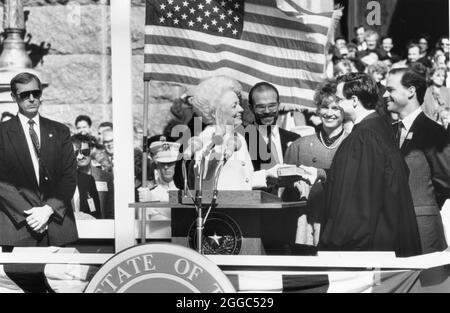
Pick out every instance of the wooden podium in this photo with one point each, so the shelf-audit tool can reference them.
(243, 222)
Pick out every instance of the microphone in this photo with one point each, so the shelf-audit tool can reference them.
(195, 144)
(232, 145)
(216, 140)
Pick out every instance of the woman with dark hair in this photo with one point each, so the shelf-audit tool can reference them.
(437, 97)
(317, 151)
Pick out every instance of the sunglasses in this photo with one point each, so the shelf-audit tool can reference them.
(26, 94)
(85, 152)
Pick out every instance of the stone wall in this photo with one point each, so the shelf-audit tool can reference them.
(70, 41)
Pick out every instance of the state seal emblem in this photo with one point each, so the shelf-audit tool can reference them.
(221, 235)
(159, 268)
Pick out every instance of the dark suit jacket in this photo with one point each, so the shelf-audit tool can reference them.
(274, 242)
(286, 137)
(19, 183)
(106, 196)
(87, 189)
(427, 154)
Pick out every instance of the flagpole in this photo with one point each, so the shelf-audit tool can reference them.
(144, 158)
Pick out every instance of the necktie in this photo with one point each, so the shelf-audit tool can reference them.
(272, 149)
(34, 138)
(398, 126)
(43, 173)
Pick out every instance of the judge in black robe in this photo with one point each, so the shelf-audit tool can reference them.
(368, 202)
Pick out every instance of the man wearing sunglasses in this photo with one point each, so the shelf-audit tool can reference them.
(86, 199)
(37, 166)
(103, 181)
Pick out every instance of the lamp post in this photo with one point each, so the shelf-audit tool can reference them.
(14, 59)
(14, 54)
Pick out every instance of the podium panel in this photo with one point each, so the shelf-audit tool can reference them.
(244, 222)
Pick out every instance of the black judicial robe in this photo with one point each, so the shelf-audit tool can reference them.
(368, 202)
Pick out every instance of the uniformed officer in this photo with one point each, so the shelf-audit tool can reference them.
(165, 155)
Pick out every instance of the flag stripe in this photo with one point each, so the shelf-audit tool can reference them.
(275, 76)
(320, 22)
(279, 42)
(191, 81)
(298, 8)
(191, 48)
(250, 41)
(252, 32)
(214, 44)
(287, 24)
(291, 91)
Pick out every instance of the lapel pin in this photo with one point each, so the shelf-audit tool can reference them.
(409, 136)
(50, 135)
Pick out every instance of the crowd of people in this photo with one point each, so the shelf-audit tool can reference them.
(372, 54)
(376, 167)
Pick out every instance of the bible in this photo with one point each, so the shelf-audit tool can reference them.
(288, 175)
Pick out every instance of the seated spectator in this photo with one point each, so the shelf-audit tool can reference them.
(6, 116)
(343, 67)
(372, 38)
(444, 45)
(437, 97)
(378, 72)
(101, 128)
(352, 50)
(424, 45)
(340, 42)
(387, 44)
(85, 200)
(108, 143)
(360, 42)
(413, 56)
(83, 124)
(104, 181)
(100, 159)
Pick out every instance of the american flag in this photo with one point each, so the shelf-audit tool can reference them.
(257, 40)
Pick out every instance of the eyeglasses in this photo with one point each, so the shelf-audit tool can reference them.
(85, 152)
(37, 94)
(271, 107)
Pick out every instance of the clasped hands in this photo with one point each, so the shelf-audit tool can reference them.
(38, 218)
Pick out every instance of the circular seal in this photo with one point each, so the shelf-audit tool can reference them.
(221, 235)
(159, 268)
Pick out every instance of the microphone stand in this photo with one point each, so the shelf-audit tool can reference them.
(198, 198)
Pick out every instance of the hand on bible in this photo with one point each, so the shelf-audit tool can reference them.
(303, 188)
(38, 217)
(309, 175)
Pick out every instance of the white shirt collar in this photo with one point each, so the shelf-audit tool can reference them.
(24, 120)
(363, 116)
(275, 131)
(409, 120)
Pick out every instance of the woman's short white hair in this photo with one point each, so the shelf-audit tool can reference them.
(205, 97)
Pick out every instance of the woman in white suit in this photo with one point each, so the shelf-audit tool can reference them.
(219, 107)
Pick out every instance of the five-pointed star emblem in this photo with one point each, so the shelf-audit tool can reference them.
(215, 238)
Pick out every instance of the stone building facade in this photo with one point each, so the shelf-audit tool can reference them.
(70, 41)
